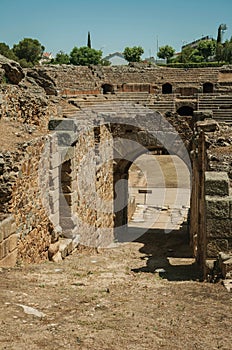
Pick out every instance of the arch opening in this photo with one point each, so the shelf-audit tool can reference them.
(185, 111)
(207, 88)
(107, 89)
(166, 88)
(157, 212)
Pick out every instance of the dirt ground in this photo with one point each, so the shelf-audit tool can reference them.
(116, 299)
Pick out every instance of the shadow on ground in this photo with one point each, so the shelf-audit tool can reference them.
(168, 255)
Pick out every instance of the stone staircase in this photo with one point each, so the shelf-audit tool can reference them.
(221, 105)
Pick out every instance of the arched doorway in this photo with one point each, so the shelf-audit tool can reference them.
(207, 88)
(108, 89)
(185, 111)
(166, 88)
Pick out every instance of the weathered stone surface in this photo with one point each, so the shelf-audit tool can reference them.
(215, 246)
(216, 183)
(226, 268)
(53, 249)
(218, 207)
(208, 125)
(219, 228)
(13, 71)
(200, 115)
(43, 80)
(10, 260)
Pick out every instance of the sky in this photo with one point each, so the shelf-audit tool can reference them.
(63, 24)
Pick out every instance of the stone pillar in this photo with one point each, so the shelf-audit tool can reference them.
(218, 213)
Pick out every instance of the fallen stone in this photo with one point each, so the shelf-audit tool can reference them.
(228, 285)
(53, 249)
(208, 125)
(31, 311)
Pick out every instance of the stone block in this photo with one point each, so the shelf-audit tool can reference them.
(226, 268)
(216, 183)
(55, 219)
(54, 196)
(10, 260)
(7, 226)
(12, 242)
(65, 247)
(215, 246)
(219, 228)
(65, 138)
(208, 125)
(54, 183)
(200, 115)
(218, 207)
(67, 153)
(55, 160)
(62, 124)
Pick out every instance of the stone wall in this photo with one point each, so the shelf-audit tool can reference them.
(122, 78)
(218, 213)
(86, 175)
(8, 242)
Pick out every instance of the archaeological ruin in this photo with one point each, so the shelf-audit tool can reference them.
(70, 134)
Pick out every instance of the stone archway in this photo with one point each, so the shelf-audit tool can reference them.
(167, 88)
(208, 88)
(185, 111)
(107, 89)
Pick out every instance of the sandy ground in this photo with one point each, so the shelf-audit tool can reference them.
(116, 299)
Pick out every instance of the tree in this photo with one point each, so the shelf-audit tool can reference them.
(227, 51)
(89, 41)
(29, 49)
(166, 52)
(207, 48)
(7, 52)
(133, 54)
(61, 58)
(85, 56)
(219, 53)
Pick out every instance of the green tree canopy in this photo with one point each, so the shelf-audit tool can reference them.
(133, 54)
(166, 52)
(28, 49)
(227, 51)
(85, 56)
(207, 48)
(7, 52)
(61, 58)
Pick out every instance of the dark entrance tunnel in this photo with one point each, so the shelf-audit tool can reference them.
(185, 111)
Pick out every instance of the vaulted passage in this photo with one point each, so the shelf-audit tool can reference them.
(167, 88)
(207, 88)
(108, 89)
(185, 111)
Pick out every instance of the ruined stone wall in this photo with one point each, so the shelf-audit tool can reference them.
(8, 242)
(26, 109)
(69, 79)
(24, 189)
(218, 213)
(94, 180)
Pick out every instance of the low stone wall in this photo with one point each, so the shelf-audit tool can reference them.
(218, 213)
(8, 242)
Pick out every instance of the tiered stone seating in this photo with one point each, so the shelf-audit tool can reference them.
(221, 105)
